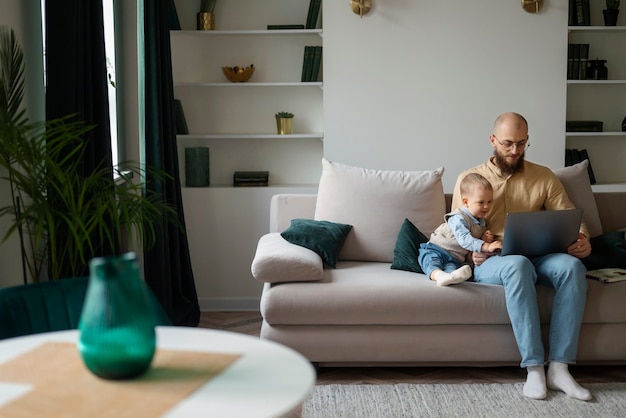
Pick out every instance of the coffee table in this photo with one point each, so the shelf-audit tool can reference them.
(267, 380)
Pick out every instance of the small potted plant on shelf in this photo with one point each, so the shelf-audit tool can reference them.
(205, 19)
(611, 12)
(284, 122)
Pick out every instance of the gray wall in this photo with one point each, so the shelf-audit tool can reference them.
(417, 85)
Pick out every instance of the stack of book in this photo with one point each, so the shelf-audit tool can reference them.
(250, 178)
(584, 126)
(577, 61)
(311, 63)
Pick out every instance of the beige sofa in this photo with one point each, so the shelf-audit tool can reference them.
(364, 312)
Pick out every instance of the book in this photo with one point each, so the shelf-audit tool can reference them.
(250, 178)
(608, 275)
(279, 27)
(585, 156)
(181, 122)
(583, 61)
(315, 66)
(307, 63)
(313, 14)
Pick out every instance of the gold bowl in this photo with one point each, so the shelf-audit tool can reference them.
(238, 74)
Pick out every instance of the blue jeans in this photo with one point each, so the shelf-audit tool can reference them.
(519, 275)
(432, 257)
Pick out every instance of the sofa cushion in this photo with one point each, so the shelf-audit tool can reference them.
(575, 179)
(277, 260)
(607, 250)
(322, 237)
(407, 248)
(376, 202)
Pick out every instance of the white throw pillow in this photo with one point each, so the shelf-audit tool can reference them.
(575, 179)
(375, 203)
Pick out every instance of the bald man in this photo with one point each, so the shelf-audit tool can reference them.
(521, 186)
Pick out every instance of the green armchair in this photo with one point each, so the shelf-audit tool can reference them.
(49, 306)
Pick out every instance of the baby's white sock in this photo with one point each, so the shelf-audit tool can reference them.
(559, 378)
(457, 276)
(535, 386)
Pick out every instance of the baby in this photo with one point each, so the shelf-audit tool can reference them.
(444, 258)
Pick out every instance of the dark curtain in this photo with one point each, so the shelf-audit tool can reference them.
(76, 80)
(168, 264)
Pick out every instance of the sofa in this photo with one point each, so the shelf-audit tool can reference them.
(342, 285)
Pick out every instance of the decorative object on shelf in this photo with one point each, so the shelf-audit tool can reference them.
(579, 13)
(361, 7)
(284, 123)
(584, 126)
(205, 19)
(611, 12)
(197, 173)
(117, 337)
(238, 74)
(532, 6)
(597, 70)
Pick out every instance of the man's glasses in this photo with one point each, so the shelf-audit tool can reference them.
(507, 145)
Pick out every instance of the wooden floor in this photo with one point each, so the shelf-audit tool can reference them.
(250, 323)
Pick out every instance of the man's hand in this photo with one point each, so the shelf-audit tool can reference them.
(479, 258)
(581, 248)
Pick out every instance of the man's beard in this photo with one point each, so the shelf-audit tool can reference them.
(505, 167)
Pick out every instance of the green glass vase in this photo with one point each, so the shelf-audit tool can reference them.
(117, 337)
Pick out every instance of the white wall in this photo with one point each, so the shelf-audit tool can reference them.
(417, 84)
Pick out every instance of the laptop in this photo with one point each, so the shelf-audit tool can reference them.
(533, 234)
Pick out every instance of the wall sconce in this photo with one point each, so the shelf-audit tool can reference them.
(532, 6)
(361, 7)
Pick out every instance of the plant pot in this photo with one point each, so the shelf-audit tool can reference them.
(284, 125)
(205, 21)
(610, 16)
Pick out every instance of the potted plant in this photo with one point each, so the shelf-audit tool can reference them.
(284, 123)
(205, 18)
(62, 217)
(611, 12)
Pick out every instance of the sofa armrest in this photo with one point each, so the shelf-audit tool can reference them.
(285, 207)
(277, 260)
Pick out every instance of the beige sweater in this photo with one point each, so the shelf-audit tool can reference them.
(534, 188)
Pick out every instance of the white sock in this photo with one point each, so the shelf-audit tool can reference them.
(535, 386)
(457, 276)
(559, 378)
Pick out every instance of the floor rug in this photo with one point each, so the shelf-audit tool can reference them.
(460, 400)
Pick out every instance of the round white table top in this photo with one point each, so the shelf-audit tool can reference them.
(268, 380)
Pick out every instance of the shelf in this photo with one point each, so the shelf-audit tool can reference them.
(246, 84)
(278, 32)
(596, 81)
(275, 188)
(617, 133)
(597, 29)
(315, 135)
(609, 187)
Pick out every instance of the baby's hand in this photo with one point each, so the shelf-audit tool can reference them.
(488, 236)
(496, 245)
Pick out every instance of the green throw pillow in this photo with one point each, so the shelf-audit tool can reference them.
(323, 237)
(607, 250)
(407, 248)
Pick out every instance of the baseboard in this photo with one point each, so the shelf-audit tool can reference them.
(229, 304)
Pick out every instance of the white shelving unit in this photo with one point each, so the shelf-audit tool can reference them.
(603, 100)
(236, 122)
